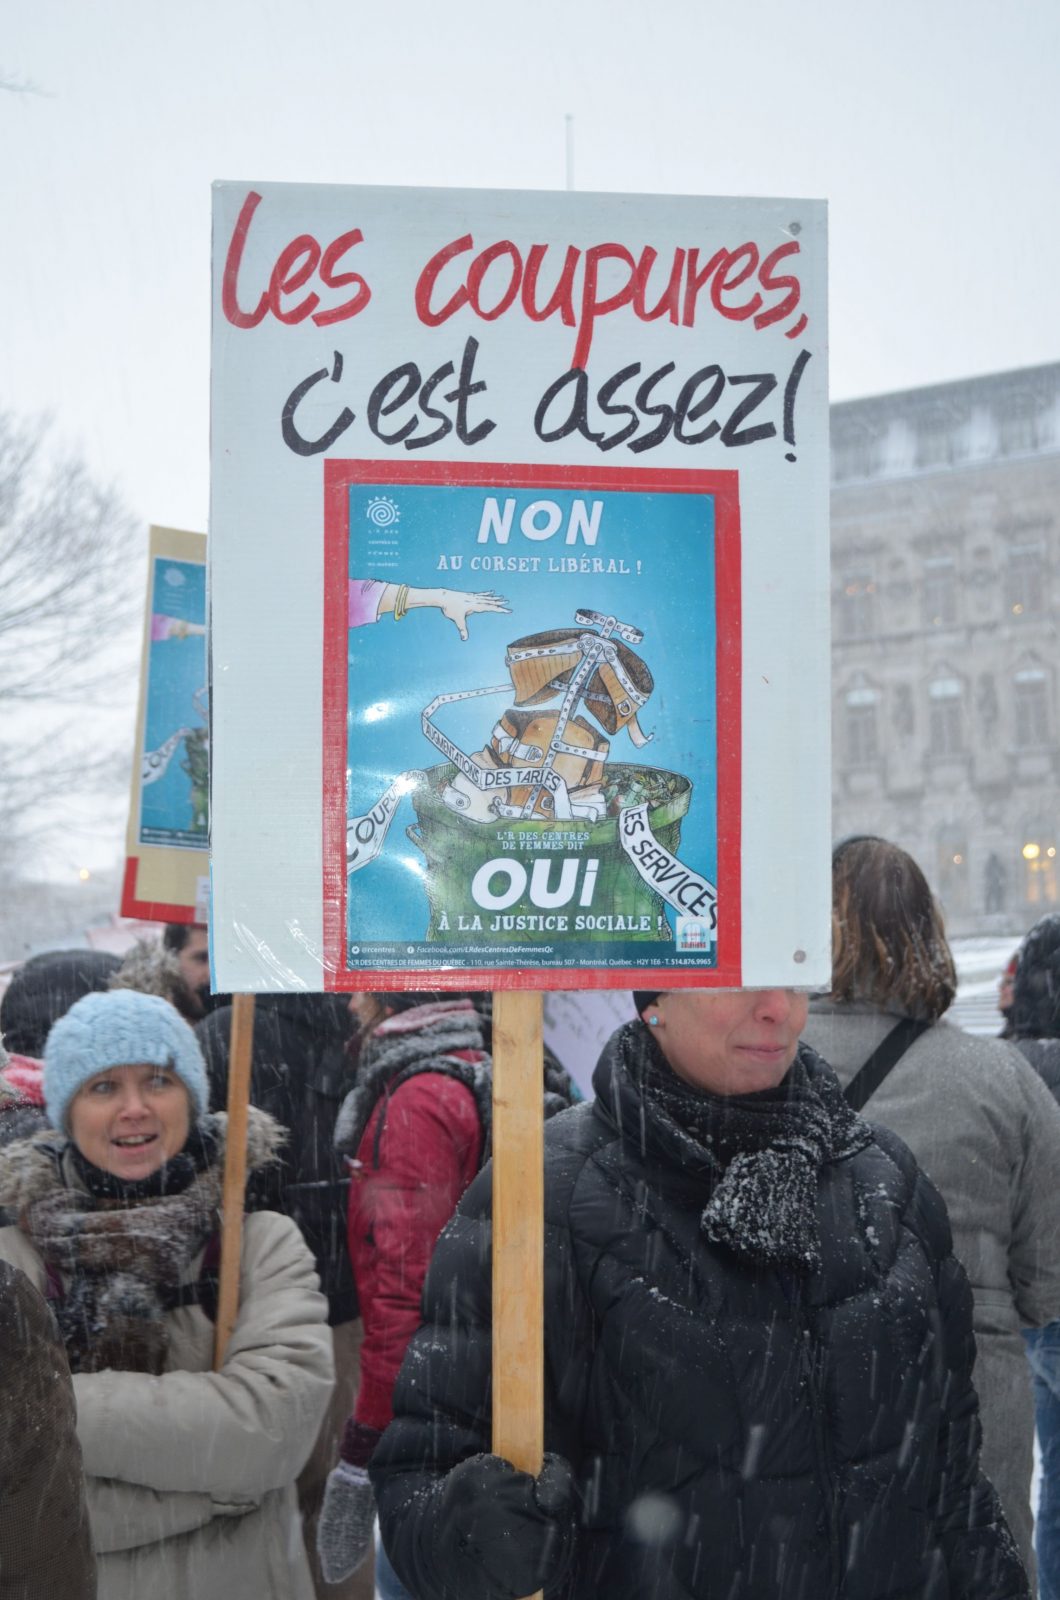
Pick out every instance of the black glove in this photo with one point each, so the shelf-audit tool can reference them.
(502, 1533)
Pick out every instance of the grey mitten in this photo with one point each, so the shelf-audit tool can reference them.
(344, 1532)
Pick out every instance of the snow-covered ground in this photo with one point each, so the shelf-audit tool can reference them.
(980, 963)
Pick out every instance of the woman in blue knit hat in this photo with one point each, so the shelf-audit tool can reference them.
(190, 1473)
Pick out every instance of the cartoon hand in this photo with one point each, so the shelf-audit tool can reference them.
(458, 606)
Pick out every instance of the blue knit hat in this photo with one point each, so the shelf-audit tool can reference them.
(122, 1028)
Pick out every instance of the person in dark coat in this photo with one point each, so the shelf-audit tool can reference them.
(300, 1074)
(43, 990)
(1035, 1022)
(1036, 1000)
(45, 1544)
(758, 1350)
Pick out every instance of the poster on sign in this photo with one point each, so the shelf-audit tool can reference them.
(519, 590)
(166, 870)
(553, 749)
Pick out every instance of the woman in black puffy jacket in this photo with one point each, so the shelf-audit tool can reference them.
(758, 1350)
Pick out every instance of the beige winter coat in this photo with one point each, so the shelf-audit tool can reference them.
(986, 1130)
(190, 1475)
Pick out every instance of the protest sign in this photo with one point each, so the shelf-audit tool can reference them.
(166, 865)
(519, 590)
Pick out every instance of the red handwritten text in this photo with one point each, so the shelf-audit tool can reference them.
(611, 277)
(579, 286)
(295, 265)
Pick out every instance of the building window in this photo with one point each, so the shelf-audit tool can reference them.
(1025, 579)
(1032, 708)
(904, 715)
(857, 606)
(1020, 430)
(856, 456)
(940, 591)
(862, 741)
(1039, 868)
(946, 719)
(935, 443)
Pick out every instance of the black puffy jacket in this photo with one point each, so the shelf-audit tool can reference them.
(300, 1074)
(1044, 1057)
(738, 1432)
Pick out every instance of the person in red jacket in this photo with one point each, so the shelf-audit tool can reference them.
(415, 1130)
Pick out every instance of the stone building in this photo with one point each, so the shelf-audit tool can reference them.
(945, 584)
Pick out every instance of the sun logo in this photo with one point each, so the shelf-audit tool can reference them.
(382, 512)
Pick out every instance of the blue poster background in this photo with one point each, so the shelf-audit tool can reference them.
(176, 672)
(657, 552)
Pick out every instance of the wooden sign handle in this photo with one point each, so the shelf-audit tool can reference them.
(518, 1231)
(235, 1173)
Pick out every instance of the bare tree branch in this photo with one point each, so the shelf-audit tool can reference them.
(71, 589)
(69, 578)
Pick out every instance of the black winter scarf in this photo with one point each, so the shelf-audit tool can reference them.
(765, 1148)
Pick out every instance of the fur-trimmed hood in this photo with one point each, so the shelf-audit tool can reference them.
(152, 969)
(35, 1167)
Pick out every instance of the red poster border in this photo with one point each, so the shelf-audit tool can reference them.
(148, 910)
(724, 487)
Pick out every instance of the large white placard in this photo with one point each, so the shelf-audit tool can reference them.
(519, 590)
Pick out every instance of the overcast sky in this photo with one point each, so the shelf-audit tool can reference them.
(929, 126)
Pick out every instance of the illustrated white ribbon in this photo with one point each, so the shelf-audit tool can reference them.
(503, 779)
(155, 762)
(687, 891)
(366, 836)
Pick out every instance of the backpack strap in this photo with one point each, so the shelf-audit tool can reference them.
(887, 1054)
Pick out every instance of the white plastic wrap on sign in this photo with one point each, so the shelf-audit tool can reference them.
(518, 590)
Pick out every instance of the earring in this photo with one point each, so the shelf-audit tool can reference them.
(654, 1021)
